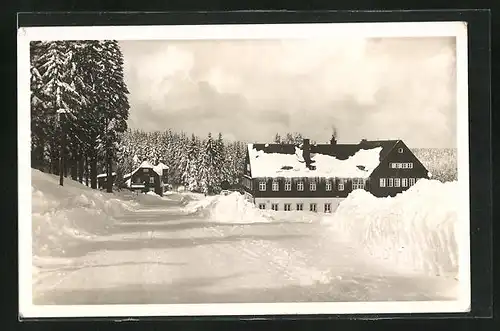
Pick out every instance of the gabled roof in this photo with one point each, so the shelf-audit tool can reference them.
(159, 168)
(146, 165)
(331, 160)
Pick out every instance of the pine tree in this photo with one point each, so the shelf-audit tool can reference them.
(208, 169)
(190, 175)
(55, 85)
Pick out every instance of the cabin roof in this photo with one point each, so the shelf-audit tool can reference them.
(147, 165)
(159, 168)
(331, 160)
(106, 175)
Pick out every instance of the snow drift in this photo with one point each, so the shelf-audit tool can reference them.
(415, 230)
(61, 214)
(234, 208)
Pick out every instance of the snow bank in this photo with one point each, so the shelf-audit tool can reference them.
(196, 204)
(234, 208)
(416, 230)
(62, 213)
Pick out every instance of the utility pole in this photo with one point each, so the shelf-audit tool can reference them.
(62, 121)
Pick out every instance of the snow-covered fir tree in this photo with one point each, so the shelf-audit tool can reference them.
(85, 78)
(190, 177)
(208, 171)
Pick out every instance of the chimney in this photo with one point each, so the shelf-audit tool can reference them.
(333, 141)
(306, 153)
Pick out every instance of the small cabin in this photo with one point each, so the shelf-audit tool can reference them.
(102, 179)
(147, 178)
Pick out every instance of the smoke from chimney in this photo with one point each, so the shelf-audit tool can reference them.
(333, 139)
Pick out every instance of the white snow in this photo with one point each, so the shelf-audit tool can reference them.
(159, 168)
(104, 175)
(146, 164)
(234, 208)
(86, 244)
(73, 211)
(415, 230)
(271, 164)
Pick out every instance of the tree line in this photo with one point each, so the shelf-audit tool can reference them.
(201, 164)
(78, 99)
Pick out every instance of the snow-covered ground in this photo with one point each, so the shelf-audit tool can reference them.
(97, 248)
(415, 230)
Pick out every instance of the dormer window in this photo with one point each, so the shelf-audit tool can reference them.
(312, 186)
(400, 150)
(275, 186)
(262, 186)
(300, 186)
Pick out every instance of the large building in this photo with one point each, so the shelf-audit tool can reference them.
(316, 177)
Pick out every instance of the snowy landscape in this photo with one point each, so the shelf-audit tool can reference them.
(92, 248)
(148, 159)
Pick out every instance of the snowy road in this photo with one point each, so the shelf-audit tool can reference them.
(156, 255)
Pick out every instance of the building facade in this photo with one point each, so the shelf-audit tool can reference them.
(147, 178)
(286, 177)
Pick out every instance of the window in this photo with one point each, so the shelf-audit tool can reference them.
(328, 207)
(399, 165)
(400, 150)
(358, 183)
(151, 180)
(248, 166)
(276, 186)
(410, 165)
(393, 165)
(391, 182)
(300, 186)
(312, 207)
(300, 206)
(288, 185)
(340, 185)
(262, 206)
(405, 165)
(328, 186)
(404, 182)
(397, 182)
(288, 206)
(274, 206)
(382, 182)
(262, 186)
(145, 170)
(312, 186)
(412, 181)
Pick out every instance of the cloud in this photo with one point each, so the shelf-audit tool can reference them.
(248, 89)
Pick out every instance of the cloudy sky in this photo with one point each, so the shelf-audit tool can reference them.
(251, 89)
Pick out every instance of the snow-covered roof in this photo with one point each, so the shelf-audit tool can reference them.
(145, 164)
(341, 161)
(105, 175)
(159, 168)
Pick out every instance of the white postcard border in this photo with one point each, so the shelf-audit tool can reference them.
(261, 31)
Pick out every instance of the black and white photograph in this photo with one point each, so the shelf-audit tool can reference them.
(243, 169)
